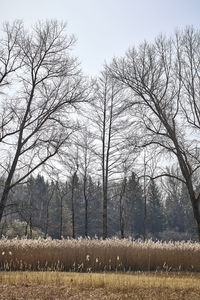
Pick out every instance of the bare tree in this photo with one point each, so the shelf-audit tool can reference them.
(47, 86)
(10, 62)
(110, 123)
(85, 142)
(164, 78)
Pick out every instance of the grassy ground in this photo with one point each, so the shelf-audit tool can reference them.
(61, 285)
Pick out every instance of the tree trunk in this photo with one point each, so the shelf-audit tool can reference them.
(105, 200)
(106, 156)
(26, 230)
(196, 212)
(61, 217)
(31, 227)
(47, 222)
(2, 228)
(122, 225)
(86, 217)
(122, 208)
(3, 202)
(47, 214)
(145, 218)
(72, 207)
(145, 200)
(7, 186)
(86, 206)
(73, 216)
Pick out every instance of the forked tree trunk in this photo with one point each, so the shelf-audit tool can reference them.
(105, 161)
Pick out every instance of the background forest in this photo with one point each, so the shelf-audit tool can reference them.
(44, 209)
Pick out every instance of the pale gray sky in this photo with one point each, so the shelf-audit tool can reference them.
(105, 28)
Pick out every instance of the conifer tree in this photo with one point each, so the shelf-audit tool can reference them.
(155, 210)
(134, 207)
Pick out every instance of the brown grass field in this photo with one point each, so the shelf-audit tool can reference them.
(96, 269)
(65, 285)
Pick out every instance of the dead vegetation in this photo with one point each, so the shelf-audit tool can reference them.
(85, 255)
(140, 285)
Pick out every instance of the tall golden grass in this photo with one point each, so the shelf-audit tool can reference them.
(85, 255)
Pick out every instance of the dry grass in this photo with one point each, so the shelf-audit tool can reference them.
(57, 285)
(97, 255)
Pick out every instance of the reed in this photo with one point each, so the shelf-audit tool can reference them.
(93, 255)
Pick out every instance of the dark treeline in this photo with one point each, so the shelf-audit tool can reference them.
(41, 208)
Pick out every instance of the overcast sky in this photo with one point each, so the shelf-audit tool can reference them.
(105, 28)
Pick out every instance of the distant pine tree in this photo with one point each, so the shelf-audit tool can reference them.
(155, 210)
(134, 207)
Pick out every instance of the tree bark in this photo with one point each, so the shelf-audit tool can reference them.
(122, 209)
(86, 204)
(61, 217)
(72, 206)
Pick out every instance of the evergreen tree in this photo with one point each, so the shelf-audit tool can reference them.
(155, 210)
(79, 207)
(186, 213)
(134, 207)
(179, 212)
(173, 206)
